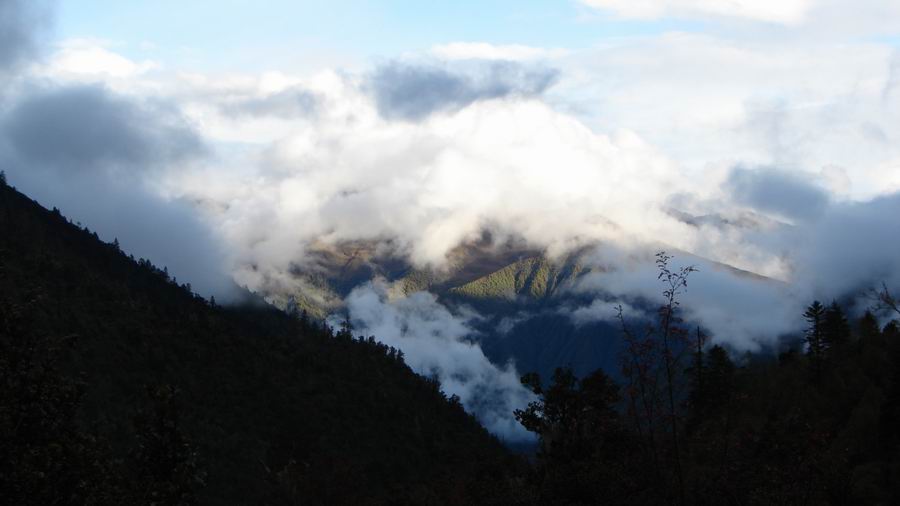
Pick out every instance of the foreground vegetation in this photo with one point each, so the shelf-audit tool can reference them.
(120, 386)
(818, 424)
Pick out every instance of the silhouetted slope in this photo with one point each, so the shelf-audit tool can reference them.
(281, 411)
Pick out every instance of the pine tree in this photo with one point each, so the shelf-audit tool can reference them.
(816, 346)
(835, 328)
(346, 331)
(720, 378)
(585, 451)
(868, 327)
(891, 331)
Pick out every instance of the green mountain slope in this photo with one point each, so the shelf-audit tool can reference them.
(535, 277)
(279, 411)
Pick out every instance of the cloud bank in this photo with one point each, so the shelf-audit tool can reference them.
(434, 342)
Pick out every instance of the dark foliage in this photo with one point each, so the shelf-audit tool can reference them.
(759, 432)
(587, 455)
(122, 387)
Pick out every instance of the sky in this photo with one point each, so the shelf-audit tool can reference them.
(297, 35)
(225, 139)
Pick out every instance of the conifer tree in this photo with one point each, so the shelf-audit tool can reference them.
(891, 331)
(720, 377)
(868, 327)
(835, 328)
(816, 346)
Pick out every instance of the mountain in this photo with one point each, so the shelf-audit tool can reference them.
(122, 386)
(523, 296)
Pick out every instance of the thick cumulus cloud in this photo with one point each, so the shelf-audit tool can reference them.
(434, 342)
(514, 164)
(415, 91)
(511, 165)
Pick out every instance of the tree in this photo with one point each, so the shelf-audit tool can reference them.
(835, 328)
(885, 302)
(585, 450)
(649, 366)
(346, 330)
(46, 458)
(816, 346)
(2, 178)
(675, 283)
(891, 331)
(697, 380)
(720, 378)
(868, 327)
(164, 462)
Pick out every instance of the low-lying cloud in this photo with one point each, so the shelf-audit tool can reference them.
(434, 342)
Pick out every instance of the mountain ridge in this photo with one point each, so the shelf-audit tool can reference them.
(333, 406)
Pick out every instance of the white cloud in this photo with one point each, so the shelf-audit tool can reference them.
(486, 51)
(775, 11)
(434, 343)
(603, 310)
(90, 59)
(708, 101)
(433, 154)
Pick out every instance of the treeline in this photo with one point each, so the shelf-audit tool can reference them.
(818, 424)
(118, 385)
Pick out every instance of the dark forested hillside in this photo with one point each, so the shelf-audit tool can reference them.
(121, 386)
(689, 424)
